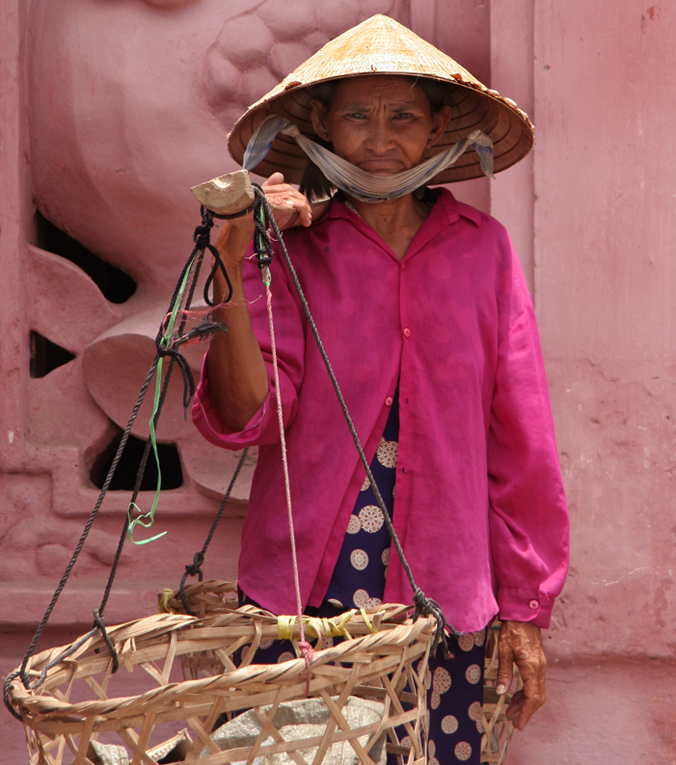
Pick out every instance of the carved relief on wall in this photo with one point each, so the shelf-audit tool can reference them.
(128, 106)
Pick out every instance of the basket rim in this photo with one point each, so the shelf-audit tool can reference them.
(157, 630)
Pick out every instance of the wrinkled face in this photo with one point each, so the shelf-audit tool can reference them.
(383, 124)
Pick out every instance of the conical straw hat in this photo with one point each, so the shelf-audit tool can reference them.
(381, 45)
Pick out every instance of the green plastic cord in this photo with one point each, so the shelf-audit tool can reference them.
(147, 519)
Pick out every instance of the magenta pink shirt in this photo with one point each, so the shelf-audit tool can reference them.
(479, 501)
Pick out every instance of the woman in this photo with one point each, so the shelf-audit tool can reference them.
(427, 321)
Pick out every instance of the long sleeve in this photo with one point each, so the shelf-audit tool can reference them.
(528, 517)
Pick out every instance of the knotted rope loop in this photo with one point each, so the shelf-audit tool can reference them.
(202, 238)
(425, 606)
(22, 672)
(202, 234)
(307, 652)
(192, 569)
(189, 386)
(195, 568)
(5, 694)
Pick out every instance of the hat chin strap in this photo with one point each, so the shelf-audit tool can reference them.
(355, 181)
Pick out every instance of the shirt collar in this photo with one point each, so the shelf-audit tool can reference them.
(446, 211)
(446, 204)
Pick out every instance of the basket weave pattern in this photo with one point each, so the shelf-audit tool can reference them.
(73, 707)
(212, 596)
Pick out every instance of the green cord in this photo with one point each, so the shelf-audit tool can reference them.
(147, 519)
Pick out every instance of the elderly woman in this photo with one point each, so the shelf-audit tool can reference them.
(427, 321)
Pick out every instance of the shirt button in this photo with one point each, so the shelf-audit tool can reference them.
(407, 332)
(534, 605)
(388, 401)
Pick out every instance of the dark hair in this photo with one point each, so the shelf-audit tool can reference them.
(314, 184)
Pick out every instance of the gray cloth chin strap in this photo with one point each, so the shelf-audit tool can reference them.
(356, 182)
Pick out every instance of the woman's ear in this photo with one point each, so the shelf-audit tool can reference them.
(318, 116)
(439, 122)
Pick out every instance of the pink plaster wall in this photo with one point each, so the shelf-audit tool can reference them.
(109, 112)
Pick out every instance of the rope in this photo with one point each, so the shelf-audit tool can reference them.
(192, 267)
(195, 568)
(307, 652)
(263, 251)
(202, 237)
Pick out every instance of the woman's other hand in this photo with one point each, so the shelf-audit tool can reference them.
(520, 643)
(289, 207)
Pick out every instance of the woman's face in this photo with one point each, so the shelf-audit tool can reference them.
(381, 123)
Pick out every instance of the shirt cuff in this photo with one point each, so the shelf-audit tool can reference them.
(525, 606)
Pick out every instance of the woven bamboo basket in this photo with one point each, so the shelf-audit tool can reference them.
(81, 712)
(213, 596)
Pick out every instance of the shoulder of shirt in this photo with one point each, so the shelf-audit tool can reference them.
(477, 217)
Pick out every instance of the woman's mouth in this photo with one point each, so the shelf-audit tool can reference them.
(389, 166)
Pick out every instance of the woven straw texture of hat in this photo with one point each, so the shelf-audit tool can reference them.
(381, 45)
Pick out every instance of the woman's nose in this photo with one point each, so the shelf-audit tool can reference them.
(380, 136)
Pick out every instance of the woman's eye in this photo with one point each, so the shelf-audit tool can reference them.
(403, 116)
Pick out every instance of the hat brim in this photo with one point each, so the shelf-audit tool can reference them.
(391, 49)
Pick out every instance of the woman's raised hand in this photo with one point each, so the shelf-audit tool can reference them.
(288, 205)
(235, 366)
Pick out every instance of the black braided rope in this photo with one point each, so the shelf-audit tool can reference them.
(98, 621)
(90, 521)
(30, 686)
(195, 568)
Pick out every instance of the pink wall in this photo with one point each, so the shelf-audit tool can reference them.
(110, 112)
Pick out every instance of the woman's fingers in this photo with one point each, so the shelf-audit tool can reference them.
(505, 666)
(288, 205)
(276, 179)
(520, 643)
